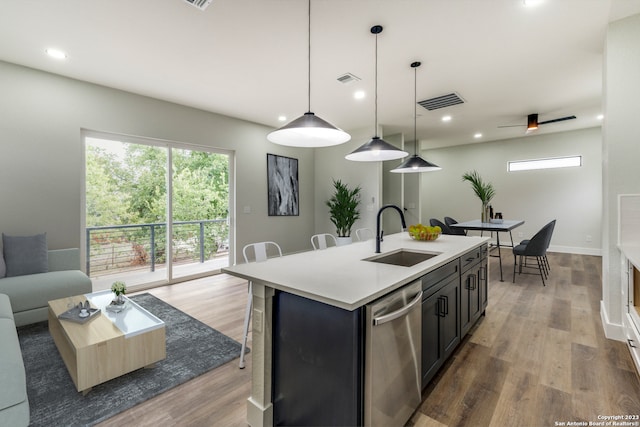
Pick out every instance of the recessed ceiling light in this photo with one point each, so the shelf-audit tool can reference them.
(600, 116)
(359, 94)
(477, 135)
(531, 3)
(56, 53)
(282, 118)
(446, 118)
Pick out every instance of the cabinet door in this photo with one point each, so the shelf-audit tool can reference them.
(431, 349)
(317, 357)
(450, 323)
(484, 284)
(467, 290)
(440, 328)
(474, 295)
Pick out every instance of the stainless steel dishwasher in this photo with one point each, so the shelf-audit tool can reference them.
(393, 357)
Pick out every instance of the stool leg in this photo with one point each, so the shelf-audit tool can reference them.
(247, 317)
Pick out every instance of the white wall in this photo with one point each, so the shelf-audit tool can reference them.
(41, 117)
(621, 149)
(573, 196)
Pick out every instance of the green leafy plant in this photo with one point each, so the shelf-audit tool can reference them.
(484, 190)
(343, 208)
(119, 288)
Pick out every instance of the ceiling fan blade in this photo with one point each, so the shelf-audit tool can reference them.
(561, 119)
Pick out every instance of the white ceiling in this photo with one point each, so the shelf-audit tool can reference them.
(248, 58)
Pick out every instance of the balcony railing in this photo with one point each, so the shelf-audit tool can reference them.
(118, 248)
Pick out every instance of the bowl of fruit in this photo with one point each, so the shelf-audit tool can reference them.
(424, 232)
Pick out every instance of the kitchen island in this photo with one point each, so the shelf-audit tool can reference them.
(326, 292)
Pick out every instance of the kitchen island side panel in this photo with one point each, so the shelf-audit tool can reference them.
(317, 364)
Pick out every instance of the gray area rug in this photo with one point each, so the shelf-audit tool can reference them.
(193, 348)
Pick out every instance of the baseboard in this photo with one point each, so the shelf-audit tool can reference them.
(613, 331)
(576, 250)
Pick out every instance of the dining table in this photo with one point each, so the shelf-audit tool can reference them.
(494, 226)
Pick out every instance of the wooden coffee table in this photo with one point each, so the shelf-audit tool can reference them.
(109, 345)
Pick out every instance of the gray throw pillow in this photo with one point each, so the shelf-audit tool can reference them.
(25, 254)
(3, 267)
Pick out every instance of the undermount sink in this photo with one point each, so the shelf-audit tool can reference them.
(403, 257)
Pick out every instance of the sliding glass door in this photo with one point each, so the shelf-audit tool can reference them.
(156, 212)
(200, 212)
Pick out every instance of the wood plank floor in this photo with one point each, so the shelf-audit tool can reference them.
(538, 357)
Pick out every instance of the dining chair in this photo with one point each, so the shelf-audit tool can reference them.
(545, 258)
(364, 234)
(457, 231)
(254, 252)
(323, 240)
(536, 247)
(444, 227)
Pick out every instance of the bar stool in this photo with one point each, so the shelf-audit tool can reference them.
(260, 250)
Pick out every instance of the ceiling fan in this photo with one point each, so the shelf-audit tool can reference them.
(533, 123)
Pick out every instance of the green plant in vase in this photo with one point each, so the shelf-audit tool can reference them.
(484, 191)
(343, 208)
(119, 288)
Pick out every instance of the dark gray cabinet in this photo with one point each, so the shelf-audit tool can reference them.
(318, 349)
(440, 326)
(318, 360)
(455, 296)
(440, 317)
(473, 287)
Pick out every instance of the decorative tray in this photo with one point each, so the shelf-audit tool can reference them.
(74, 314)
(117, 308)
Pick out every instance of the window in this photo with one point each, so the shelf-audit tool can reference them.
(156, 211)
(555, 162)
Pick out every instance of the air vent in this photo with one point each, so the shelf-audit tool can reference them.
(348, 78)
(442, 101)
(200, 4)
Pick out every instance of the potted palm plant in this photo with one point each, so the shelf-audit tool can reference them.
(484, 191)
(343, 210)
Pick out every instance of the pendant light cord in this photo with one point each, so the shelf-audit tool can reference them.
(415, 110)
(375, 130)
(309, 58)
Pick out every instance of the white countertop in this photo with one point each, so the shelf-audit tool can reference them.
(338, 275)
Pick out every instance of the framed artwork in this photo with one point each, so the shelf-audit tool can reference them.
(282, 183)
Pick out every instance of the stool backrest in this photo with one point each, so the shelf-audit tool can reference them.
(321, 241)
(260, 251)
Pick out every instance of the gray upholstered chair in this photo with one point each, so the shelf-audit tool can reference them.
(535, 247)
(457, 231)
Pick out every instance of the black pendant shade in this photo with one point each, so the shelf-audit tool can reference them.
(308, 130)
(377, 149)
(415, 163)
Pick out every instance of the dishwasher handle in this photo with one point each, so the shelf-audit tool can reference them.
(398, 313)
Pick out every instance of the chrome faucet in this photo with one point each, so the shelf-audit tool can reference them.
(380, 232)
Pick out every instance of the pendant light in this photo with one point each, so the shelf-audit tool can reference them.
(415, 163)
(377, 149)
(309, 130)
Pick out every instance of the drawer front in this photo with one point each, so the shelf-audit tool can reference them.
(439, 275)
(472, 257)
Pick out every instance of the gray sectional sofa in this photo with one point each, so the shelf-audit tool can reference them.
(30, 293)
(14, 403)
(30, 276)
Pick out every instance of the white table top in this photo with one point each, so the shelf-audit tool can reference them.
(132, 321)
(476, 224)
(341, 277)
